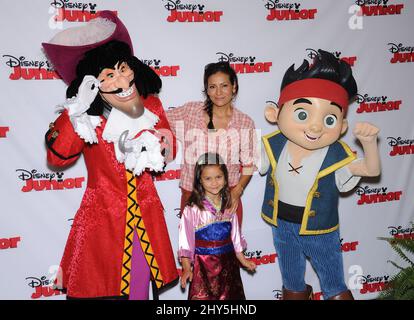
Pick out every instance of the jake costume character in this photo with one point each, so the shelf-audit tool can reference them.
(119, 239)
(307, 166)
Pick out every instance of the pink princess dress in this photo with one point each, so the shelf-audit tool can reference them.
(210, 240)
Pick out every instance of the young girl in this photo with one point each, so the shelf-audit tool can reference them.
(210, 237)
(213, 119)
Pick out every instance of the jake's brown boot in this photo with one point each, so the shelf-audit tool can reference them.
(346, 295)
(297, 295)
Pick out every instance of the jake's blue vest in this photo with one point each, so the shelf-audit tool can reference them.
(321, 210)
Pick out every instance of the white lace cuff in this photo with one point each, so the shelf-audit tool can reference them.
(85, 125)
(137, 160)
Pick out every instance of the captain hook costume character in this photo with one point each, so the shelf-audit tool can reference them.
(308, 168)
(119, 240)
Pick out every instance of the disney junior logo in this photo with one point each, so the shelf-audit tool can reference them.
(26, 69)
(401, 233)
(400, 146)
(371, 284)
(184, 12)
(160, 69)
(379, 7)
(370, 104)
(38, 181)
(244, 64)
(401, 53)
(288, 11)
(65, 10)
(374, 195)
(312, 54)
(43, 286)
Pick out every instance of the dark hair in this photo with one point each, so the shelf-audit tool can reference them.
(106, 56)
(209, 70)
(325, 66)
(198, 193)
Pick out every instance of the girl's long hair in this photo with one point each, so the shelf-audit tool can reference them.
(198, 193)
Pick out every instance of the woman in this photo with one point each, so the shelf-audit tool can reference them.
(215, 125)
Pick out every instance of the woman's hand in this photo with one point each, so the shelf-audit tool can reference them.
(187, 275)
(248, 264)
(236, 193)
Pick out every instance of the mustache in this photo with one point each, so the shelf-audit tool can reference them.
(119, 90)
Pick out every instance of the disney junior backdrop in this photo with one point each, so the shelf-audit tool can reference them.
(261, 38)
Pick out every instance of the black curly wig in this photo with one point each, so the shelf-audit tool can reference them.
(325, 66)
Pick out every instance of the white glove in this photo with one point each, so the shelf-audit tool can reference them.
(83, 124)
(137, 160)
(86, 94)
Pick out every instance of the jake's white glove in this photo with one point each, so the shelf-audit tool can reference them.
(86, 94)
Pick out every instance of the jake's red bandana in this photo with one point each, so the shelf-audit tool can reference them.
(315, 88)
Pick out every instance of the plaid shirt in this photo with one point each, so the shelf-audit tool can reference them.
(236, 145)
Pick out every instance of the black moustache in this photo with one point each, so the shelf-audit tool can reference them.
(117, 90)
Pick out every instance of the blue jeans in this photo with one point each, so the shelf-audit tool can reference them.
(323, 251)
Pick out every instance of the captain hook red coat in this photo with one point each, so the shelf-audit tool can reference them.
(97, 257)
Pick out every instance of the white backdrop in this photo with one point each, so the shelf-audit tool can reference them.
(34, 224)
